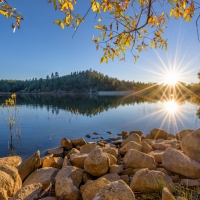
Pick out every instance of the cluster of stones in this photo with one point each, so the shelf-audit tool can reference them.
(98, 171)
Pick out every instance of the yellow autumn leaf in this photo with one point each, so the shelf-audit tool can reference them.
(64, 7)
(3, 12)
(187, 18)
(71, 7)
(121, 59)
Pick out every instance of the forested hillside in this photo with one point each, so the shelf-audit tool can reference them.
(82, 81)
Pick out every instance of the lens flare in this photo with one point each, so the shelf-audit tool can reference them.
(171, 78)
(171, 106)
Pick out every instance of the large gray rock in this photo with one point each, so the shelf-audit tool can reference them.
(11, 160)
(45, 176)
(183, 133)
(29, 165)
(78, 159)
(65, 190)
(130, 145)
(132, 137)
(190, 145)
(97, 163)
(10, 181)
(177, 162)
(28, 192)
(117, 190)
(73, 173)
(137, 159)
(149, 180)
(91, 188)
(158, 133)
(66, 143)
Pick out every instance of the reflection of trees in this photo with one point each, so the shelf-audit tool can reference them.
(82, 104)
(196, 100)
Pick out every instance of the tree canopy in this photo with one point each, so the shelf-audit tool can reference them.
(122, 24)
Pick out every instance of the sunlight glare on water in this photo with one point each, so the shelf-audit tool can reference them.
(171, 106)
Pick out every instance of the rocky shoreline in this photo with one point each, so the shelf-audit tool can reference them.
(156, 166)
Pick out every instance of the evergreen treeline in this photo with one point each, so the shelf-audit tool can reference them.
(82, 81)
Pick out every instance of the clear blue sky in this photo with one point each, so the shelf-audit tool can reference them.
(41, 47)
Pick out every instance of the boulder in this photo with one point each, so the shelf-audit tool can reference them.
(78, 159)
(128, 171)
(111, 177)
(91, 188)
(112, 159)
(10, 181)
(45, 176)
(176, 161)
(111, 150)
(124, 135)
(132, 137)
(190, 183)
(73, 173)
(183, 133)
(190, 145)
(65, 143)
(66, 162)
(11, 160)
(65, 190)
(29, 165)
(158, 133)
(72, 151)
(49, 198)
(117, 190)
(45, 157)
(167, 195)
(55, 162)
(87, 148)
(137, 159)
(157, 154)
(130, 145)
(146, 148)
(57, 152)
(97, 163)
(28, 192)
(149, 180)
(116, 169)
(125, 178)
(140, 133)
(78, 142)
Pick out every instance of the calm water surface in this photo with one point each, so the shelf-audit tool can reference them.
(43, 120)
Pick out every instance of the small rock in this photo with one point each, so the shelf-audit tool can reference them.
(111, 177)
(117, 190)
(97, 163)
(57, 152)
(137, 159)
(65, 143)
(146, 148)
(87, 148)
(88, 136)
(78, 142)
(90, 189)
(55, 162)
(167, 195)
(109, 132)
(31, 191)
(29, 165)
(190, 183)
(45, 176)
(78, 159)
(66, 162)
(149, 180)
(130, 145)
(140, 133)
(111, 150)
(132, 137)
(116, 169)
(65, 190)
(72, 151)
(73, 173)
(158, 133)
(11, 160)
(112, 159)
(157, 154)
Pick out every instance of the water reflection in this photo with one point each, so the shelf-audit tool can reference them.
(171, 106)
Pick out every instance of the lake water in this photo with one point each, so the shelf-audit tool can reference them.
(43, 120)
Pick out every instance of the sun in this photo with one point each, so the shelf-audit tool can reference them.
(171, 106)
(171, 78)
